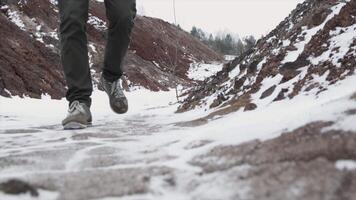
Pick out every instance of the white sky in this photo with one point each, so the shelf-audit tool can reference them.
(244, 17)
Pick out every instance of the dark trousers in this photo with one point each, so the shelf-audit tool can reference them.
(74, 49)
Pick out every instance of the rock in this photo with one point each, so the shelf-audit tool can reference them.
(16, 187)
(250, 106)
(268, 92)
(281, 94)
(298, 160)
(275, 51)
(215, 103)
(353, 97)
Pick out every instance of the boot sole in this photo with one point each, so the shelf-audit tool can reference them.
(118, 110)
(75, 126)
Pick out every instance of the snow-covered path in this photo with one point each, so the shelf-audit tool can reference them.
(34, 146)
(145, 154)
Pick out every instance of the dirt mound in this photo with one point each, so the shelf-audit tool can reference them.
(27, 67)
(313, 48)
(292, 166)
(29, 56)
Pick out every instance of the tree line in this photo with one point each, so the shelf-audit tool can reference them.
(224, 43)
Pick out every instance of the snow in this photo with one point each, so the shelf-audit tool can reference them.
(96, 22)
(37, 114)
(271, 118)
(149, 109)
(340, 42)
(233, 73)
(266, 84)
(286, 43)
(92, 49)
(271, 39)
(260, 65)
(347, 124)
(15, 18)
(38, 34)
(54, 2)
(229, 57)
(201, 71)
(4, 7)
(346, 164)
(157, 109)
(54, 34)
(309, 33)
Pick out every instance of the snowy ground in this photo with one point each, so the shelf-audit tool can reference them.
(145, 154)
(201, 71)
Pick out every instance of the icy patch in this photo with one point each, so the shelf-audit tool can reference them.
(201, 71)
(308, 35)
(340, 42)
(346, 164)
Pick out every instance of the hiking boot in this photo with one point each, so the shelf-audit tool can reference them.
(78, 116)
(118, 101)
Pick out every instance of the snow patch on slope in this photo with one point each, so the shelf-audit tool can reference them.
(96, 22)
(15, 17)
(309, 33)
(340, 41)
(346, 164)
(201, 71)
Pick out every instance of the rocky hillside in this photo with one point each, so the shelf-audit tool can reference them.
(313, 48)
(29, 57)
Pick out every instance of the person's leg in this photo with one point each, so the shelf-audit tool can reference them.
(74, 50)
(121, 14)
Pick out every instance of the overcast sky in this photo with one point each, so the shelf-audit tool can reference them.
(244, 17)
